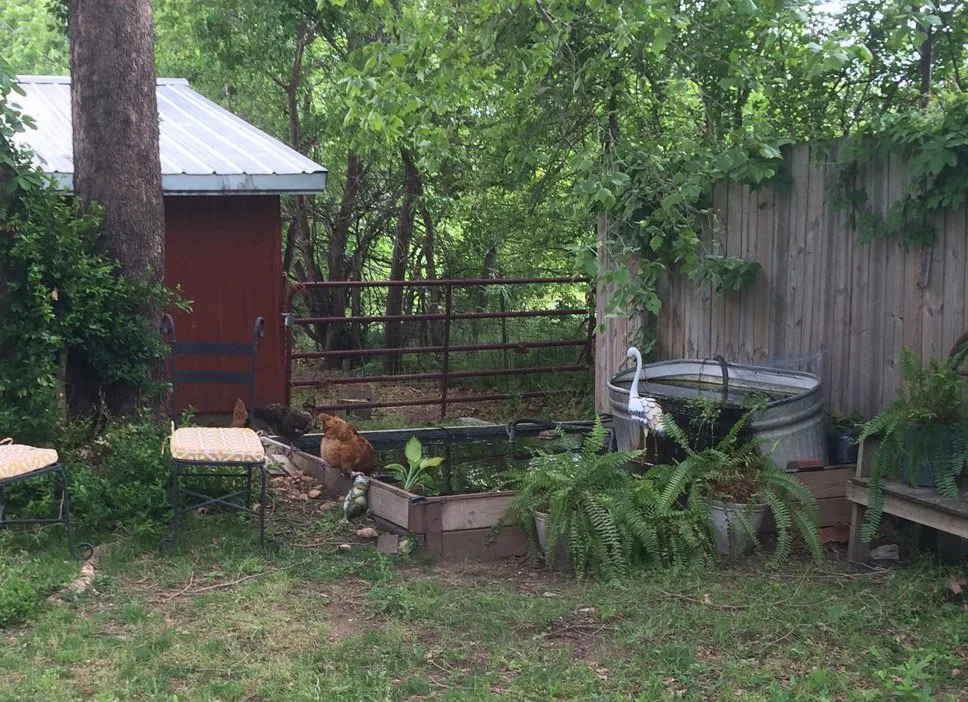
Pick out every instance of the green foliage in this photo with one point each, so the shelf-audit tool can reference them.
(605, 519)
(934, 146)
(725, 273)
(736, 470)
(119, 476)
(416, 476)
(59, 293)
(926, 424)
(845, 423)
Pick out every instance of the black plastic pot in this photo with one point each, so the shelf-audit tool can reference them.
(842, 449)
(941, 436)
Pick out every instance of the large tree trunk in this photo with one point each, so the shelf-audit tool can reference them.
(394, 334)
(116, 152)
(339, 336)
(434, 292)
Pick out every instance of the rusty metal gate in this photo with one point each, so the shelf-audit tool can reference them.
(453, 341)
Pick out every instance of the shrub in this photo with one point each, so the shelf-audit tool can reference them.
(118, 477)
(59, 292)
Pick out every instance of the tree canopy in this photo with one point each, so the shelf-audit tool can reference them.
(464, 138)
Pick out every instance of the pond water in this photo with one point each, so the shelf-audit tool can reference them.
(692, 388)
(476, 459)
(482, 464)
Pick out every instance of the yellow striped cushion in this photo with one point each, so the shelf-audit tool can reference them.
(217, 445)
(17, 459)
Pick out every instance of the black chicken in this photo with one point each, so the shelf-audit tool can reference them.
(285, 422)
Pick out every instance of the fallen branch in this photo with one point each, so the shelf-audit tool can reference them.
(222, 586)
(705, 602)
(82, 582)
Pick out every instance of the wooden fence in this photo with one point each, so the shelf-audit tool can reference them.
(842, 308)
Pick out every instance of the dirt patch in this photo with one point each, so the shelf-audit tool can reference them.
(583, 631)
(346, 611)
(497, 411)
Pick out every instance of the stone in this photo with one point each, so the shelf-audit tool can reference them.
(387, 543)
(472, 422)
(889, 552)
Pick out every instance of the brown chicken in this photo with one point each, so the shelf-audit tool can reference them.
(343, 448)
(240, 416)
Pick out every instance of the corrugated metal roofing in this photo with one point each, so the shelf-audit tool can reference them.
(205, 149)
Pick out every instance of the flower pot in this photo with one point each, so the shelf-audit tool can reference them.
(842, 449)
(940, 439)
(562, 557)
(723, 514)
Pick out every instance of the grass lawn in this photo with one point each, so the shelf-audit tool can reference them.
(221, 621)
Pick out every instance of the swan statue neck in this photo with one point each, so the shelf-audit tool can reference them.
(634, 390)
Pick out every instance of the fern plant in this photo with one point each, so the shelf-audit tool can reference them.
(580, 492)
(607, 520)
(926, 425)
(737, 470)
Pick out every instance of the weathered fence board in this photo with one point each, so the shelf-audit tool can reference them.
(818, 292)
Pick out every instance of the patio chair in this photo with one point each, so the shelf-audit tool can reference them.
(19, 463)
(205, 454)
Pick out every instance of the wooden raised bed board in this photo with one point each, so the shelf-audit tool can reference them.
(450, 526)
(471, 526)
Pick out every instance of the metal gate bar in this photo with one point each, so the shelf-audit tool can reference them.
(585, 360)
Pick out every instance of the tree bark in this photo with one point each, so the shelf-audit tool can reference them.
(394, 332)
(434, 292)
(116, 151)
(339, 336)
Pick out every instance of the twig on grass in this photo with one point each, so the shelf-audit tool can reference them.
(222, 586)
(704, 602)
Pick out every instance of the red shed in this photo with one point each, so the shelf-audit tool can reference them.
(222, 180)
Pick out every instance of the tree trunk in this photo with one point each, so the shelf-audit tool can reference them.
(339, 336)
(434, 292)
(394, 332)
(488, 272)
(927, 57)
(116, 152)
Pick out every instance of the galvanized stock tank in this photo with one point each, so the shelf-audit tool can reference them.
(792, 423)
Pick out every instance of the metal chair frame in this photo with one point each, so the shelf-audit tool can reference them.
(64, 512)
(181, 469)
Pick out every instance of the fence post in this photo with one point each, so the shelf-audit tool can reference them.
(287, 320)
(448, 311)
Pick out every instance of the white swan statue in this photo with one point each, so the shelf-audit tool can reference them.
(643, 410)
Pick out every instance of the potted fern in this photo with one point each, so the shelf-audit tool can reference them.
(842, 443)
(576, 502)
(924, 433)
(594, 517)
(736, 484)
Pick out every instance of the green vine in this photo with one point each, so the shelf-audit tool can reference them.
(661, 206)
(934, 144)
(59, 292)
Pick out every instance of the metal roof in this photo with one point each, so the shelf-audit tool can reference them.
(205, 149)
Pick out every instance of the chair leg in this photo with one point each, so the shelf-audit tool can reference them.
(262, 507)
(248, 488)
(65, 515)
(172, 541)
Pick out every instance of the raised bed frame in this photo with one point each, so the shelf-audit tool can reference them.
(476, 526)
(473, 526)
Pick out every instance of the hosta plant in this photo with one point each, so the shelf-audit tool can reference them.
(415, 476)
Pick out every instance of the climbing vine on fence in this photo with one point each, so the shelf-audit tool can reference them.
(934, 144)
(661, 206)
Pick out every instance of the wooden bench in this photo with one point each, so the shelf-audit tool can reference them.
(921, 505)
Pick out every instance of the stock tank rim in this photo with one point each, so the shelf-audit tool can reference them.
(815, 387)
